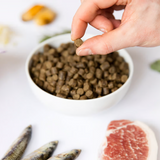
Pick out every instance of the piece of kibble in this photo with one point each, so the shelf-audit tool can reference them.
(89, 94)
(54, 70)
(110, 85)
(78, 42)
(80, 91)
(90, 76)
(73, 83)
(98, 90)
(114, 89)
(124, 78)
(55, 77)
(76, 96)
(86, 87)
(83, 97)
(99, 73)
(65, 89)
(60, 65)
(105, 91)
(62, 75)
(48, 64)
(105, 66)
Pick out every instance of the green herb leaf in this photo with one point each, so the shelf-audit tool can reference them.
(56, 34)
(156, 65)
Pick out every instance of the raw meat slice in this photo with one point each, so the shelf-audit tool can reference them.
(127, 140)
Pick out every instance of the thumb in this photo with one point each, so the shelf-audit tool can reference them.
(106, 43)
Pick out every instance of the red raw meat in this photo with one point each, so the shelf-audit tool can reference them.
(127, 140)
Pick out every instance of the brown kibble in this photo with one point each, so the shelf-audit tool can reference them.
(78, 42)
(114, 89)
(73, 92)
(48, 73)
(49, 79)
(119, 85)
(66, 68)
(105, 91)
(81, 65)
(54, 70)
(110, 85)
(91, 64)
(60, 49)
(74, 70)
(48, 64)
(104, 66)
(51, 89)
(76, 96)
(39, 82)
(84, 60)
(83, 97)
(36, 74)
(92, 69)
(124, 78)
(90, 76)
(93, 81)
(104, 83)
(53, 83)
(80, 91)
(81, 71)
(38, 66)
(60, 95)
(76, 76)
(86, 87)
(55, 77)
(80, 83)
(106, 74)
(62, 75)
(89, 94)
(98, 90)
(42, 77)
(112, 70)
(60, 65)
(45, 85)
(76, 58)
(99, 73)
(65, 89)
(73, 83)
(120, 59)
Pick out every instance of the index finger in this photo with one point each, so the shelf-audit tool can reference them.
(86, 13)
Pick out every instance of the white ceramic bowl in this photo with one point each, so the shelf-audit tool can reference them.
(77, 107)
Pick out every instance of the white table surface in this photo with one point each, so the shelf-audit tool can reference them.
(19, 107)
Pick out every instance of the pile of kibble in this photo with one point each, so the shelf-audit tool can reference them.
(60, 72)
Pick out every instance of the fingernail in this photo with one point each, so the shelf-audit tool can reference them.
(84, 52)
(103, 30)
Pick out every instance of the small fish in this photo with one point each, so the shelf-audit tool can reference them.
(73, 154)
(18, 147)
(42, 153)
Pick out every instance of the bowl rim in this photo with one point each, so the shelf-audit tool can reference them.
(131, 65)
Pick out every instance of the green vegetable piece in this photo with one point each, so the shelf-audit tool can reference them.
(56, 34)
(156, 65)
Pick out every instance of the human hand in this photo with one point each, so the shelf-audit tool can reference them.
(139, 26)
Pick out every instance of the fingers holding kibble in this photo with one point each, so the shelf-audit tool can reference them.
(62, 73)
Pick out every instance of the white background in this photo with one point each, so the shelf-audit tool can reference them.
(19, 106)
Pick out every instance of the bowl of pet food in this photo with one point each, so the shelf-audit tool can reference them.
(74, 85)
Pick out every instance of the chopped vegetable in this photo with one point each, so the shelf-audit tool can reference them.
(31, 13)
(156, 65)
(4, 34)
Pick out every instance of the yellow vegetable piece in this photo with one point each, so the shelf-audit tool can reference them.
(31, 13)
(45, 16)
